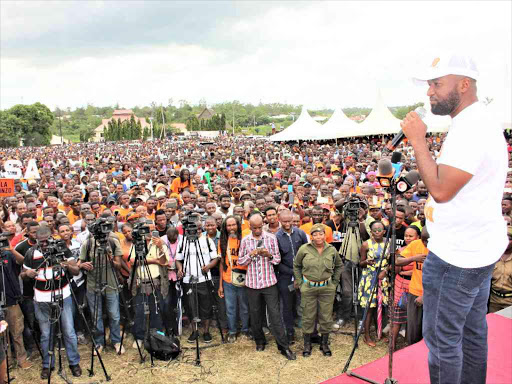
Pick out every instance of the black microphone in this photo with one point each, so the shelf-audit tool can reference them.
(400, 135)
(385, 172)
(407, 182)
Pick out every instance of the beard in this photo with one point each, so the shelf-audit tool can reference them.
(448, 105)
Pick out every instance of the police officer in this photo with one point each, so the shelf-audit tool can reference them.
(317, 270)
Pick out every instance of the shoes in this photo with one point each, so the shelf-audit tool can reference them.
(231, 338)
(45, 373)
(141, 344)
(76, 370)
(402, 332)
(24, 365)
(119, 349)
(246, 335)
(193, 336)
(324, 346)
(341, 323)
(266, 331)
(288, 354)
(335, 326)
(307, 345)
(291, 338)
(99, 348)
(386, 329)
(260, 347)
(207, 337)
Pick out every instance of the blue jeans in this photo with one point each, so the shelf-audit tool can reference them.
(112, 301)
(454, 323)
(155, 315)
(236, 297)
(42, 311)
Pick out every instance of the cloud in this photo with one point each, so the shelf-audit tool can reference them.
(322, 54)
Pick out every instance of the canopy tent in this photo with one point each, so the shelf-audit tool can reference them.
(339, 125)
(380, 121)
(304, 128)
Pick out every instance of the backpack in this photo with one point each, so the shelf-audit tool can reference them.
(162, 347)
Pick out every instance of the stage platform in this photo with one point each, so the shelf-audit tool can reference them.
(410, 364)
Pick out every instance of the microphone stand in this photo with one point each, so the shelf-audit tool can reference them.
(391, 299)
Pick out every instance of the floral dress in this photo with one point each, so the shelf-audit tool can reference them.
(369, 274)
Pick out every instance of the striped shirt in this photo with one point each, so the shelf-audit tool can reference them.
(260, 270)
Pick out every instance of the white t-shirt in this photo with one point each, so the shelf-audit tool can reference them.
(469, 231)
(191, 266)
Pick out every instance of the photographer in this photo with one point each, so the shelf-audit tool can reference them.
(353, 233)
(100, 274)
(157, 259)
(9, 299)
(38, 265)
(204, 255)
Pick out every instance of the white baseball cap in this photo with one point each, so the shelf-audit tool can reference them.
(448, 65)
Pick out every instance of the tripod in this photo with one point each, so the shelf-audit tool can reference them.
(352, 235)
(144, 279)
(186, 245)
(103, 264)
(390, 236)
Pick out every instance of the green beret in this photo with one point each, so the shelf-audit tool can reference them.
(317, 228)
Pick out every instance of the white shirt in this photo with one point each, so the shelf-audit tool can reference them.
(469, 231)
(191, 267)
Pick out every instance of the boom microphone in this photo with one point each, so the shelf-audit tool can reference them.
(400, 136)
(407, 182)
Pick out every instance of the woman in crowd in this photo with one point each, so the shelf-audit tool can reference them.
(402, 279)
(372, 256)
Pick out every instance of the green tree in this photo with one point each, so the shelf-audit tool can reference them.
(10, 126)
(35, 123)
(146, 134)
(138, 130)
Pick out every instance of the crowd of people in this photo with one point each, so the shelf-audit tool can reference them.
(276, 247)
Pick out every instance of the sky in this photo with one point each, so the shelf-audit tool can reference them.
(317, 54)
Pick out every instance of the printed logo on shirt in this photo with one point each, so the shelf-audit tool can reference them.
(429, 210)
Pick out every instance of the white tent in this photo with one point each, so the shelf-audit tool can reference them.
(380, 121)
(339, 125)
(305, 128)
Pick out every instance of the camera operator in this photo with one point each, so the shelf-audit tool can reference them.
(89, 261)
(38, 266)
(77, 285)
(157, 259)
(27, 288)
(11, 296)
(193, 270)
(352, 222)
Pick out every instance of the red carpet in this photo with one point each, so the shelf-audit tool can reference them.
(410, 364)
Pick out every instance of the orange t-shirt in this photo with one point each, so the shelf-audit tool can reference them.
(415, 248)
(246, 232)
(328, 231)
(123, 212)
(127, 247)
(72, 217)
(177, 186)
(233, 248)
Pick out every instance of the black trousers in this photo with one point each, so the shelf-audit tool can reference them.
(414, 320)
(287, 301)
(257, 299)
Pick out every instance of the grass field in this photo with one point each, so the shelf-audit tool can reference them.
(220, 364)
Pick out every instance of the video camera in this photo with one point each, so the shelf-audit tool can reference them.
(4, 240)
(190, 223)
(140, 230)
(350, 207)
(101, 228)
(55, 251)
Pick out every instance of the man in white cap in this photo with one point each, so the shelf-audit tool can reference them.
(463, 216)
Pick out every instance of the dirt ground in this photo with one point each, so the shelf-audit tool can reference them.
(220, 363)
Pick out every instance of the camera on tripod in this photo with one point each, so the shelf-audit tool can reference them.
(55, 251)
(140, 230)
(350, 207)
(190, 223)
(101, 228)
